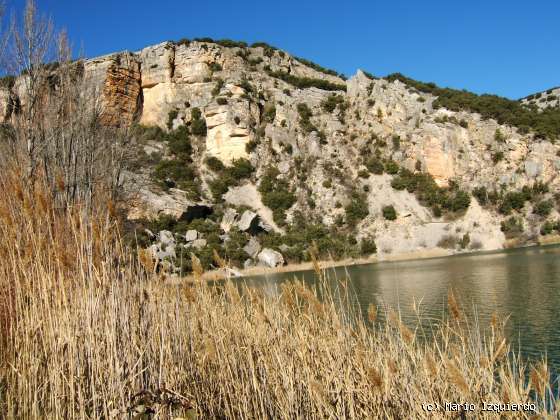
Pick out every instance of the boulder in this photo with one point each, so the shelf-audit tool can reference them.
(284, 248)
(270, 258)
(251, 222)
(228, 219)
(166, 237)
(167, 251)
(199, 243)
(191, 235)
(253, 247)
(159, 252)
(248, 263)
(248, 218)
(265, 226)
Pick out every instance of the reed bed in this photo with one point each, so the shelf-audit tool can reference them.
(89, 332)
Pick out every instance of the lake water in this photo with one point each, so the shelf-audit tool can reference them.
(523, 284)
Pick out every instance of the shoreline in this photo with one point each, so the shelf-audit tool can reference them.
(221, 274)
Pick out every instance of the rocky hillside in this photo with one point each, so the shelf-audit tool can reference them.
(255, 155)
(544, 100)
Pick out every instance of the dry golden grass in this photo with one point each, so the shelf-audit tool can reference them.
(89, 333)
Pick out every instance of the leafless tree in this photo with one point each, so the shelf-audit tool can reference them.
(56, 128)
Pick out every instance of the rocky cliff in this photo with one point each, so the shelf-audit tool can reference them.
(252, 139)
(544, 100)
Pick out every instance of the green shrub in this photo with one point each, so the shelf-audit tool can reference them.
(306, 82)
(240, 169)
(465, 241)
(276, 194)
(391, 167)
(548, 227)
(367, 246)
(305, 115)
(170, 117)
(198, 125)
(512, 227)
(389, 213)
(512, 201)
(144, 133)
(228, 43)
(543, 208)
(499, 136)
(396, 142)
(220, 186)
(179, 143)
(460, 201)
(214, 67)
(357, 209)
(497, 157)
(331, 102)
(218, 88)
(269, 112)
(363, 173)
(319, 68)
(481, 195)
(251, 145)
(173, 170)
(214, 164)
(545, 124)
(375, 166)
(428, 193)
(196, 114)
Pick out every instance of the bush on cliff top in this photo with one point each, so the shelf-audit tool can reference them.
(545, 124)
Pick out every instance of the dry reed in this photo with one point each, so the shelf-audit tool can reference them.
(89, 332)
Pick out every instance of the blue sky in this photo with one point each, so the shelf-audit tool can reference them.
(510, 48)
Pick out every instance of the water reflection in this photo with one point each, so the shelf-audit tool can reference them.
(522, 284)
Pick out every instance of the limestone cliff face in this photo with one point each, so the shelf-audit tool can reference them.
(244, 102)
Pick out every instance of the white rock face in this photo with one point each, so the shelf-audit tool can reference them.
(270, 258)
(226, 139)
(324, 162)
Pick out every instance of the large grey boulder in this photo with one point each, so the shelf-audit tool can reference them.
(270, 258)
(248, 218)
(166, 237)
(265, 226)
(191, 235)
(252, 247)
(161, 252)
(167, 251)
(199, 243)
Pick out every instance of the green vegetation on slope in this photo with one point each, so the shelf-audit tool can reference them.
(545, 124)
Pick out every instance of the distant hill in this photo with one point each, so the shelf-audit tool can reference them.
(543, 100)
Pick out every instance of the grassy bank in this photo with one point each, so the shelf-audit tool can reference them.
(89, 332)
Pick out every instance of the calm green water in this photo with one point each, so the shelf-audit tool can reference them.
(523, 284)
